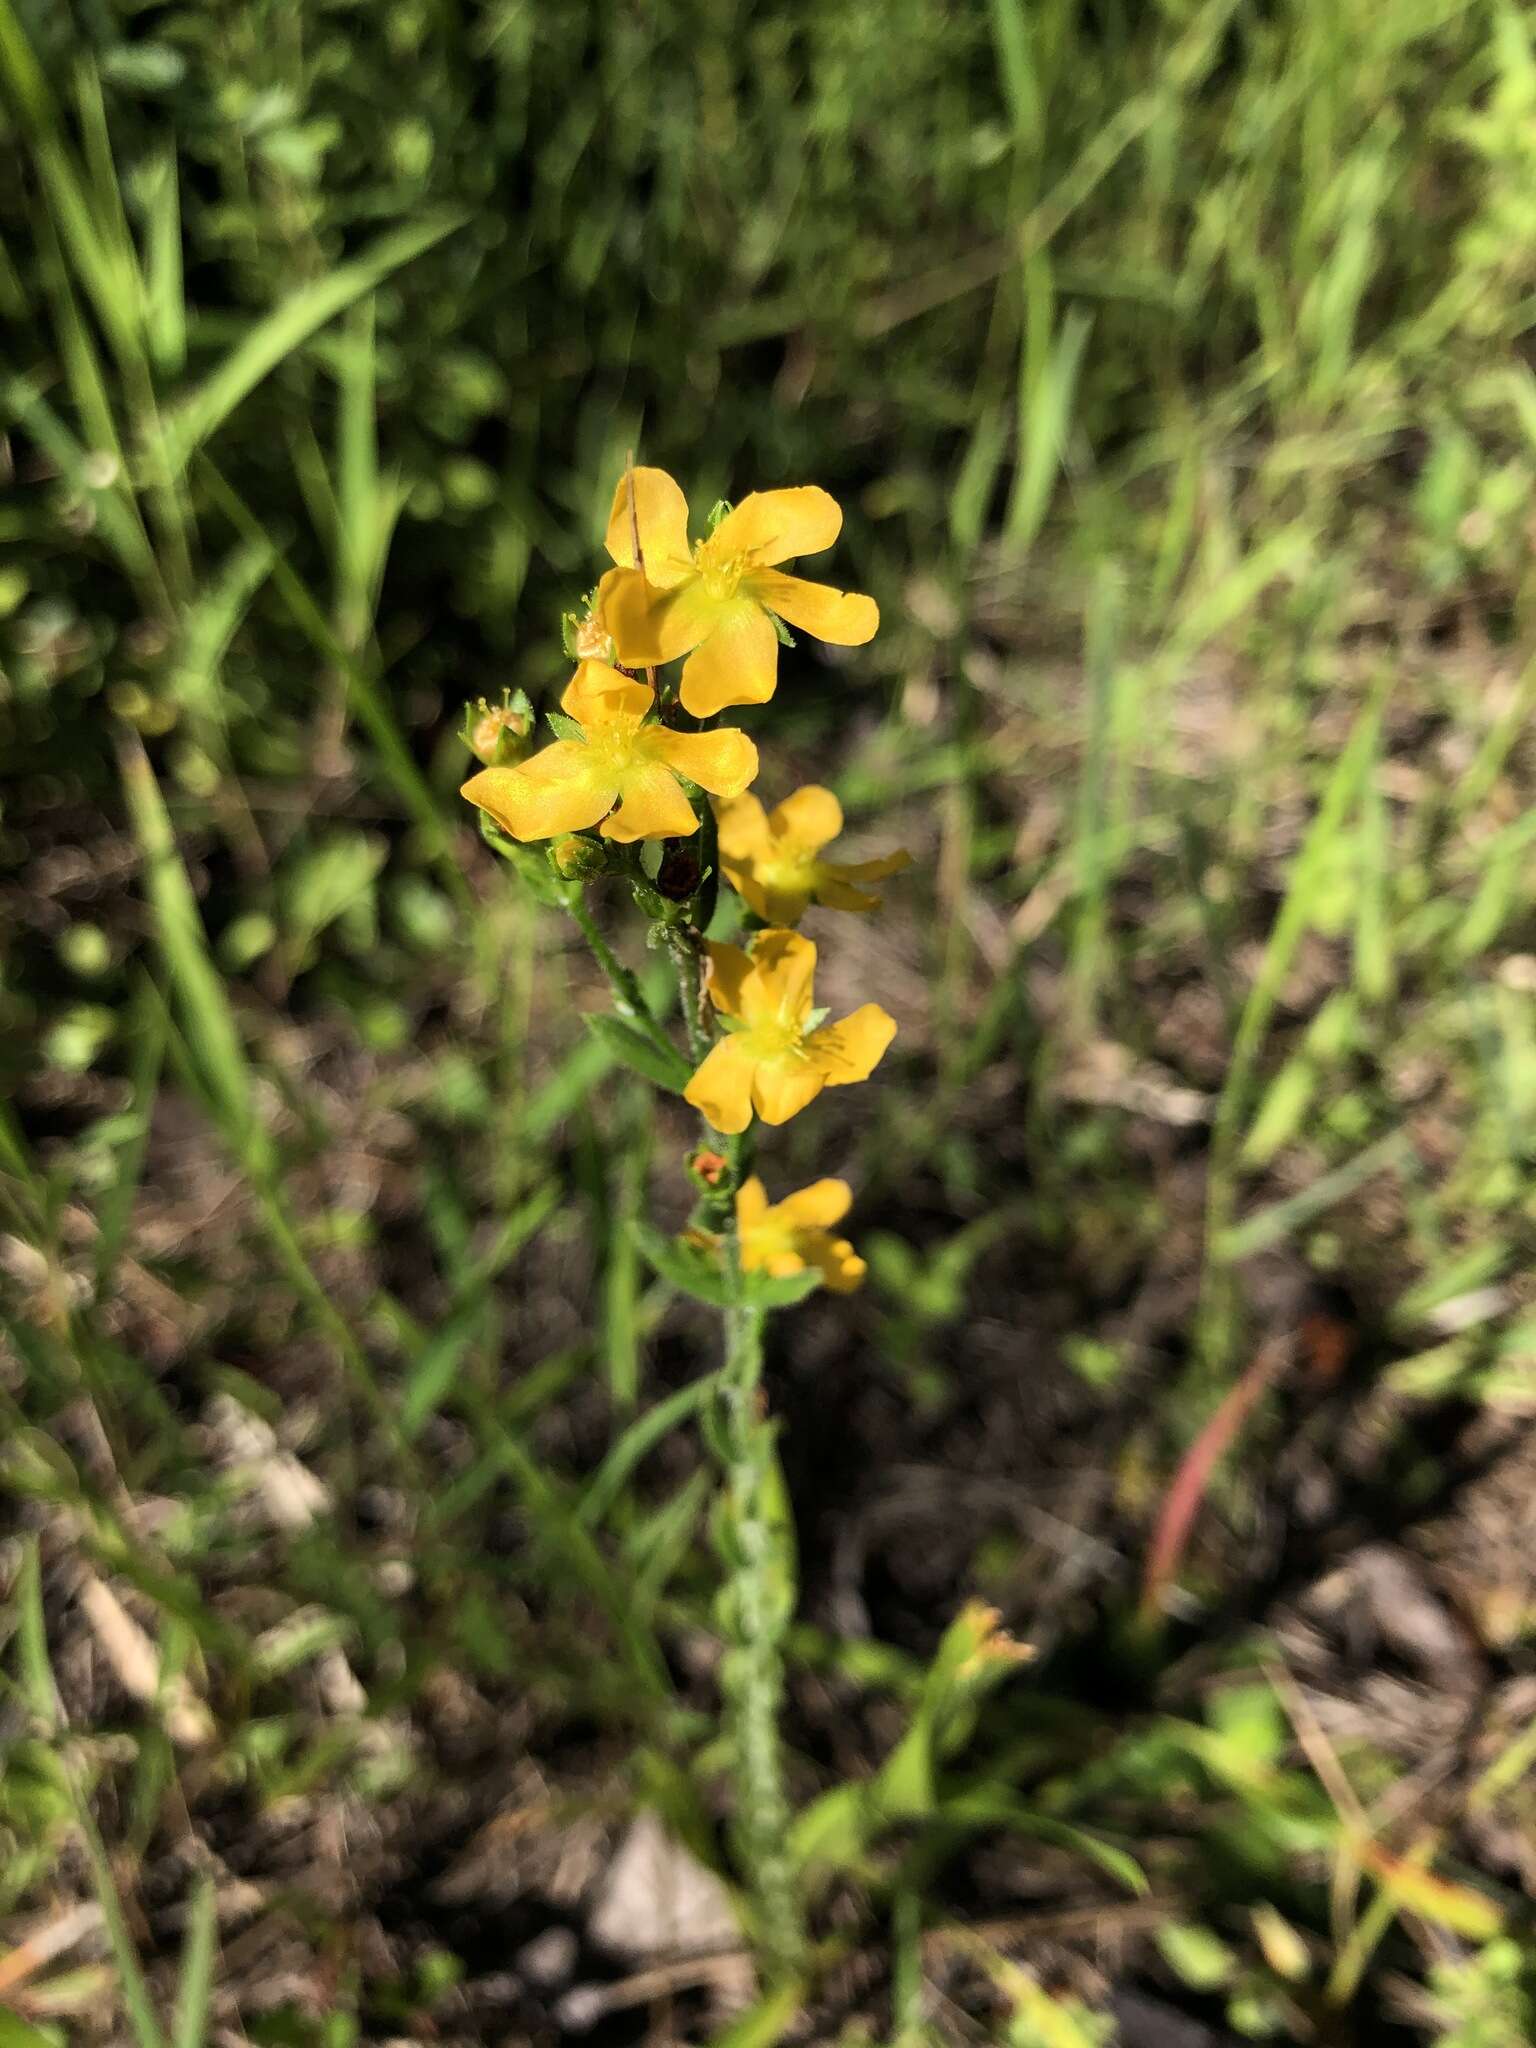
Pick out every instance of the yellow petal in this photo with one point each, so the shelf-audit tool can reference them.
(844, 617)
(726, 978)
(737, 664)
(807, 819)
(874, 870)
(783, 972)
(751, 1203)
(651, 626)
(773, 526)
(837, 884)
(781, 1090)
(721, 1089)
(722, 762)
(743, 827)
(852, 1049)
(819, 1206)
(833, 893)
(653, 806)
(554, 792)
(840, 1266)
(598, 696)
(661, 512)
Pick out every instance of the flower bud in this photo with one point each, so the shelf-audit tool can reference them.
(679, 875)
(707, 1168)
(576, 858)
(584, 634)
(498, 735)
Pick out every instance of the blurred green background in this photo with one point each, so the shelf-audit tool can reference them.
(1172, 364)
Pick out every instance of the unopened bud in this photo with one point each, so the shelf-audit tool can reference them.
(585, 635)
(498, 734)
(708, 1168)
(576, 857)
(680, 872)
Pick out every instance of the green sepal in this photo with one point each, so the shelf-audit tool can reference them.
(786, 638)
(721, 509)
(566, 728)
(668, 1069)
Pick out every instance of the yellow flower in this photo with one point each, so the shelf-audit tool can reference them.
(770, 857)
(620, 760)
(796, 1233)
(776, 1056)
(711, 600)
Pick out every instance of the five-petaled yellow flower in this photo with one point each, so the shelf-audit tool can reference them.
(771, 857)
(775, 1057)
(711, 599)
(621, 775)
(788, 1236)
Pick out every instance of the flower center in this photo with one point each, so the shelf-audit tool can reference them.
(610, 752)
(719, 570)
(796, 874)
(776, 1040)
(766, 1241)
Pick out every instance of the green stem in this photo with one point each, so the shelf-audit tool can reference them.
(757, 1599)
(757, 1605)
(683, 945)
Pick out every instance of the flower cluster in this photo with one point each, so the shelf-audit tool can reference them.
(634, 764)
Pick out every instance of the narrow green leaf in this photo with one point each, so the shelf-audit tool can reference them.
(692, 1273)
(642, 1435)
(667, 1068)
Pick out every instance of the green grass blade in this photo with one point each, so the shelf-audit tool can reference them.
(115, 512)
(130, 1975)
(165, 290)
(286, 328)
(114, 1206)
(25, 86)
(32, 1640)
(1045, 418)
(213, 1038)
(212, 622)
(364, 695)
(194, 1987)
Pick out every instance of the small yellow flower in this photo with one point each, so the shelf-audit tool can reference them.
(711, 599)
(776, 1056)
(797, 1232)
(619, 761)
(771, 857)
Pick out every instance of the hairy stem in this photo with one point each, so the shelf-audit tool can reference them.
(756, 1606)
(683, 945)
(757, 1598)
